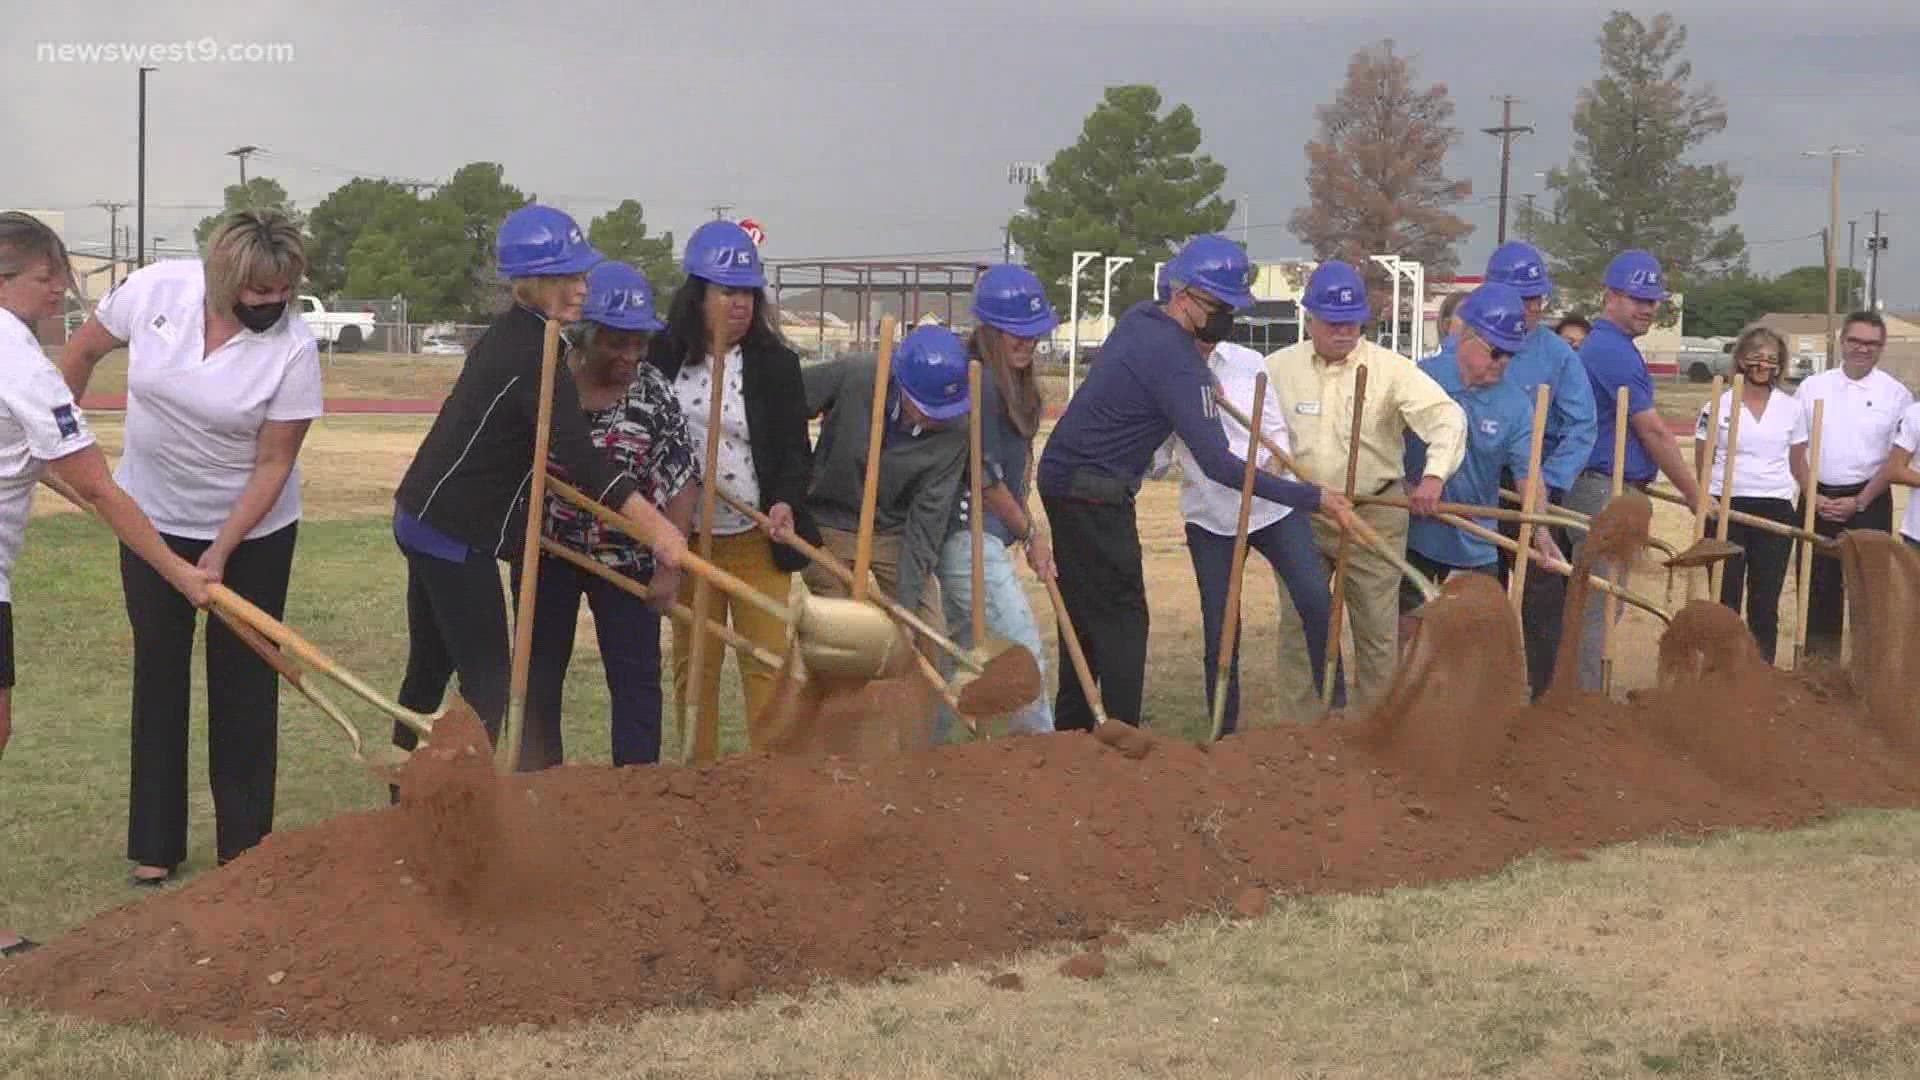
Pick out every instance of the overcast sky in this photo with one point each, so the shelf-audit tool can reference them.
(879, 128)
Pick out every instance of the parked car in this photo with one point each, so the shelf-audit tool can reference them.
(442, 346)
(1701, 364)
(346, 331)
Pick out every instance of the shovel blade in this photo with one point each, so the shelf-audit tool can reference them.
(850, 639)
(1704, 552)
(1007, 679)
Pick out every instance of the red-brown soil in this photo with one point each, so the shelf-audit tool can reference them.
(611, 891)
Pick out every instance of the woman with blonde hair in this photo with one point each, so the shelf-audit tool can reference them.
(1769, 471)
(222, 383)
(1012, 315)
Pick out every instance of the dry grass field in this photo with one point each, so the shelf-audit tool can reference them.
(1748, 956)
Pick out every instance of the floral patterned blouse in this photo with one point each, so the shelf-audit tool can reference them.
(645, 434)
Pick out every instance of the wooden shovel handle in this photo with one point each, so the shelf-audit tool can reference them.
(1517, 585)
(1720, 531)
(1811, 497)
(1338, 609)
(1074, 653)
(876, 439)
(976, 508)
(689, 562)
(506, 755)
(1564, 570)
(1229, 625)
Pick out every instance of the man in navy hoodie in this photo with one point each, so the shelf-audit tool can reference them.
(1151, 381)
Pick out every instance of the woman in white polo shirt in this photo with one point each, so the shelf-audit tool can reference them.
(1769, 467)
(222, 384)
(41, 431)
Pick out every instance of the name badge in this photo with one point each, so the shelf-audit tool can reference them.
(1307, 408)
(166, 330)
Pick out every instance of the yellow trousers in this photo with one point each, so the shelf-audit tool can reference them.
(749, 557)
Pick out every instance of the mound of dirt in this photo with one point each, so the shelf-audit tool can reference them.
(639, 888)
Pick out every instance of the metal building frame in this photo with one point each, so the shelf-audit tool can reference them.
(912, 282)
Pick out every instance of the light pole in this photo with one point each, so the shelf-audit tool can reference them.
(1026, 174)
(1114, 262)
(1080, 261)
(140, 184)
(1834, 154)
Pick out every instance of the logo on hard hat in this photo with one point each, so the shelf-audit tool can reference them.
(1345, 297)
(1033, 303)
(573, 235)
(1645, 277)
(1532, 271)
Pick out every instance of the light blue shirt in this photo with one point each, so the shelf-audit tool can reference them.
(1499, 435)
(1572, 423)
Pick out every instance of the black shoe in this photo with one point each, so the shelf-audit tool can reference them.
(18, 948)
(150, 882)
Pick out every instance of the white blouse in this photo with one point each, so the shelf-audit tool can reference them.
(1761, 469)
(735, 463)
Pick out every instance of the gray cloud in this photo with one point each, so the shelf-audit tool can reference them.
(882, 128)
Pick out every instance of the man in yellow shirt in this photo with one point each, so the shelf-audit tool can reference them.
(1315, 380)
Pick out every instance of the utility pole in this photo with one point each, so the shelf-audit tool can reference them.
(721, 210)
(113, 240)
(1834, 154)
(242, 152)
(1876, 243)
(1506, 131)
(1854, 292)
(140, 194)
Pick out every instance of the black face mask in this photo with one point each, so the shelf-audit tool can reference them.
(259, 317)
(1217, 328)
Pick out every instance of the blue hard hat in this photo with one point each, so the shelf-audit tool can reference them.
(1637, 274)
(1520, 264)
(723, 253)
(538, 241)
(1498, 314)
(1336, 294)
(931, 368)
(1216, 266)
(1010, 298)
(620, 297)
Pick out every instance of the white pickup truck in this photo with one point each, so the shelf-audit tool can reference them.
(346, 331)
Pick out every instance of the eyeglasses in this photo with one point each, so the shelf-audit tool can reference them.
(1856, 343)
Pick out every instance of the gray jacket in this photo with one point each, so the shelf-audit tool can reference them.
(920, 473)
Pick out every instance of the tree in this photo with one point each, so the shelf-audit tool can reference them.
(1132, 185)
(1628, 184)
(479, 193)
(259, 193)
(1727, 305)
(621, 234)
(420, 249)
(337, 223)
(1376, 177)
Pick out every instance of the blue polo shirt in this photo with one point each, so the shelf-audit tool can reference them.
(1499, 436)
(1149, 382)
(1572, 426)
(1612, 361)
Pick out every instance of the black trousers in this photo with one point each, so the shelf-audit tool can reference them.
(1760, 570)
(456, 624)
(1097, 549)
(629, 635)
(1542, 604)
(243, 703)
(1827, 587)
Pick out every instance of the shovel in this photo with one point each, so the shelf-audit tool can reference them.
(506, 756)
(845, 639)
(1699, 554)
(248, 623)
(1715, 573)
(1557, 566)
(986, 651)
(1123, 737)
(700, 732)
(905, 618)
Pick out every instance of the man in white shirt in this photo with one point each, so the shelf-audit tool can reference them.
(1212, 513)
(1863, 410)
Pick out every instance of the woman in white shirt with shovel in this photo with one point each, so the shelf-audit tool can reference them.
(1769, 468)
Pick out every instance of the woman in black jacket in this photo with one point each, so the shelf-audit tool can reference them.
(463, 501)
(764, 458)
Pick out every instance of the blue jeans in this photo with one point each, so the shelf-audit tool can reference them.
(629, 634)
(1288, 545)
(1008, 616)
